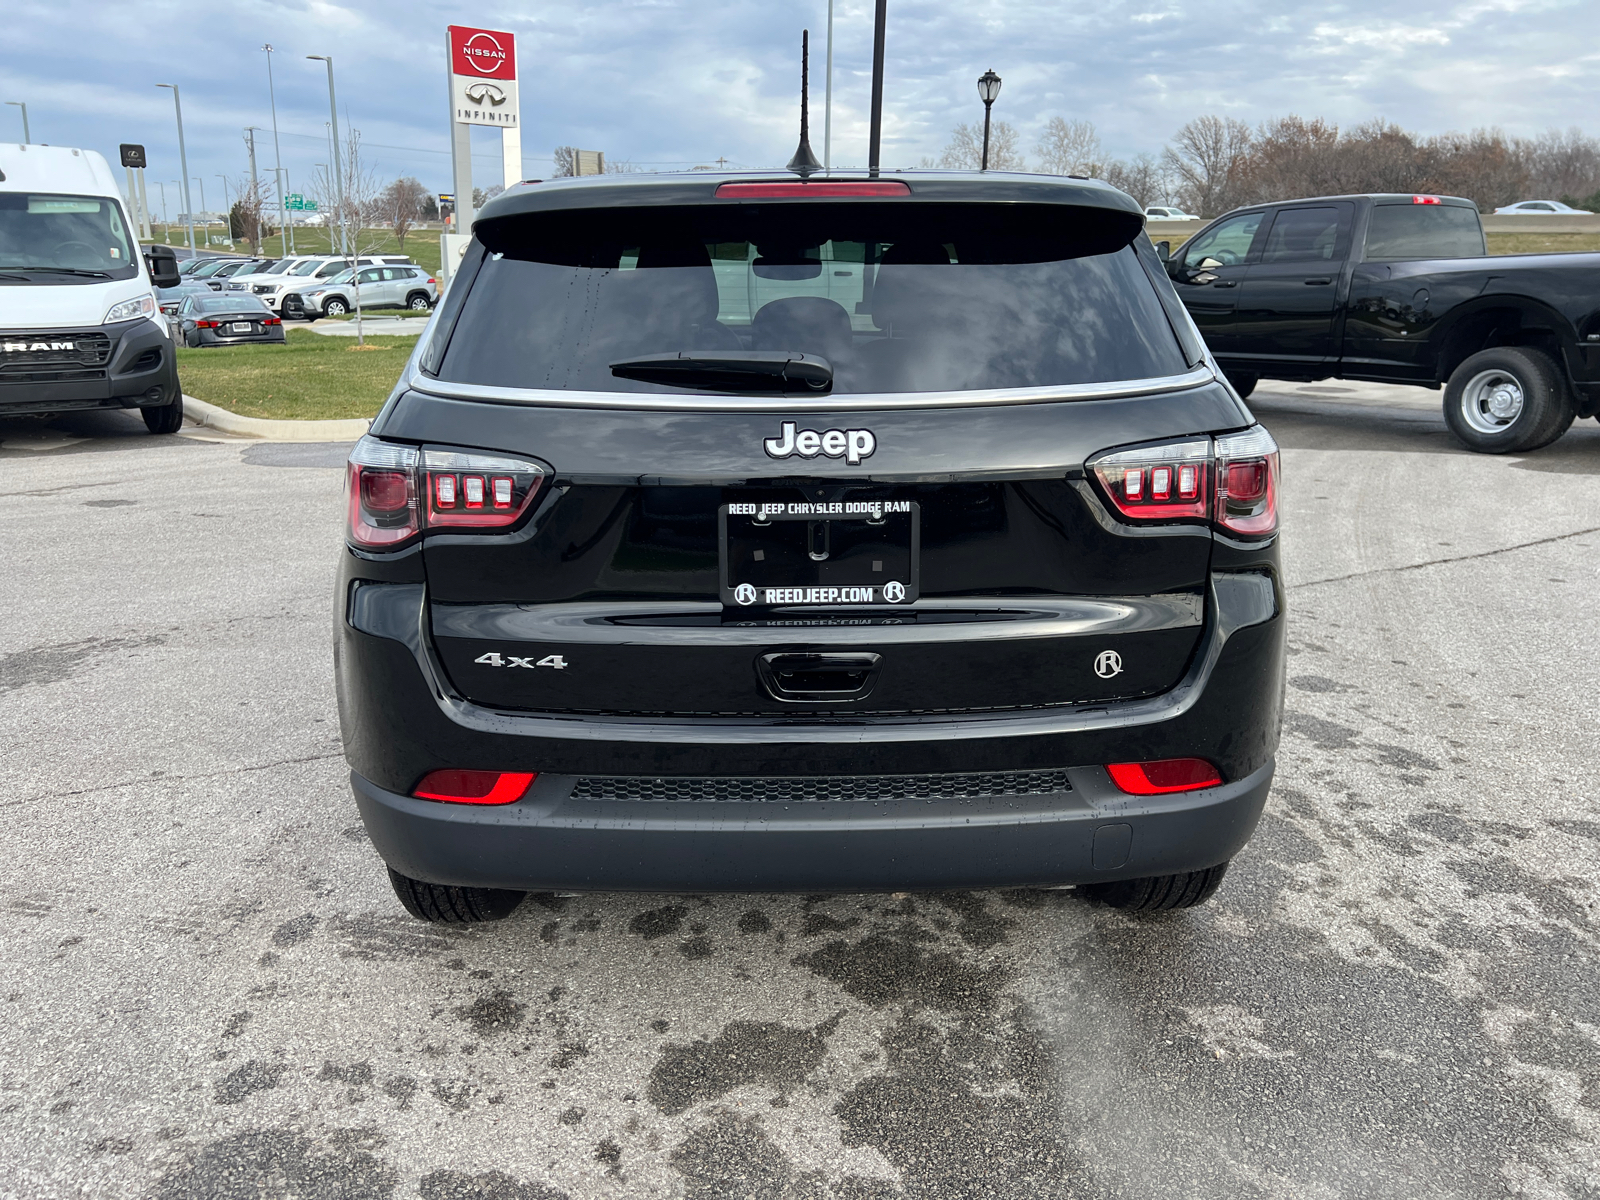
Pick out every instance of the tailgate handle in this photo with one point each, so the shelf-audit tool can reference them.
(818, 678)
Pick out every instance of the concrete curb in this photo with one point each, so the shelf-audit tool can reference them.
(224, 421)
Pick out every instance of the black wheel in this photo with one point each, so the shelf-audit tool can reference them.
(164, 418)
(1508, 399)
(335, 308)
(418, 302)
(1243, 382)
(1158, 893)
(453, 905)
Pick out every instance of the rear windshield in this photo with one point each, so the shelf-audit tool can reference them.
(898, 298)
(1424, 231)
(234, 303)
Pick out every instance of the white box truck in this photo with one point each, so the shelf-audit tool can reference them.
(79, 324)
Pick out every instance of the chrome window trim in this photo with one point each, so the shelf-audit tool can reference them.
(654, 402)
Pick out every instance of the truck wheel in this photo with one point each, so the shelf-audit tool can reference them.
(1508, 399)
(1158, 893)
(1243, 382)
(453, 905)
(164, 418)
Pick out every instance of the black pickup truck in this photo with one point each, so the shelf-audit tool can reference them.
(1400, 289)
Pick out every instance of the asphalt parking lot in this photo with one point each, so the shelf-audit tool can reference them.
(208, 989)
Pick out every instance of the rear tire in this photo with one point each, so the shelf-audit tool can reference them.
(453, 905)
(1508, 399)
(1158, 893)
(165, 418)
(1243, 382)
(418, 302)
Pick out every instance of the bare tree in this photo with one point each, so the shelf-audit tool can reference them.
(1208, 159)
(1143, 178)
(1560, 165)
(402, 206)
(1070, 148)
(566, 162)
(965, 149)
(244, 218)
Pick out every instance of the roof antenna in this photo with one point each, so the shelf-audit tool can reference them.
(804, 162)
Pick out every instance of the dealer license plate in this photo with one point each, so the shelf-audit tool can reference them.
(243, 326)
(843, 553)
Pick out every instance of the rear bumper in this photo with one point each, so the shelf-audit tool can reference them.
(551, 841)
(401, 719)
(141, 372)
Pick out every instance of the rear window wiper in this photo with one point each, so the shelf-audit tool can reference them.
(781, 371)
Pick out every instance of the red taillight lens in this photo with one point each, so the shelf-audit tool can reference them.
(206, 325)
(382, 493)
(271, 321)
(1163, 776)
(1158, 483)
(1425, 200)
(474, 787)
(1247, 483)
(1232, 481)
(812, 191)
(397, 492)
(478, 491)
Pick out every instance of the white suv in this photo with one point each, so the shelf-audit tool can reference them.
(306, 272)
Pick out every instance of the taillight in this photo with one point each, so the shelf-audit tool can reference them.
(397, 492)
(207, 325)
(478, 491)
(1425, 200)
(474, 787)
(1168, 482)
(383, 501)
(1164, 776)
(1247, 482)
(1231, 481)
(271, 321)
(824, 189)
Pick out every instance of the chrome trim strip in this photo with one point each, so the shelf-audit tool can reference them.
(874, 401)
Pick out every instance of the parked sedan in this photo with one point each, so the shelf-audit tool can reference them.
(1541, 208)
(212, 320)
(397, 286)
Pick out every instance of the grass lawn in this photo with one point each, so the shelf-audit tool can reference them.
(311, 378)
(1542, 243)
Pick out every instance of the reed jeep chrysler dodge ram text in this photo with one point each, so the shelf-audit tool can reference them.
(745, 533)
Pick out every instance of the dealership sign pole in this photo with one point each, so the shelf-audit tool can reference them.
(483, 91)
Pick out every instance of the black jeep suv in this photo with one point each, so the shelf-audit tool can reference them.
(853, 534)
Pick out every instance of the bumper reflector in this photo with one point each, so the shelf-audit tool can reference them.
(1165, 775)
(474, 787)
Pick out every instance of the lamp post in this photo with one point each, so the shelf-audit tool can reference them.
(183, 160)
(164, 220)
(338, 171)
(204, 211)
(988, 91)
(227, 211)
(27, 138)
(277, 156)
(326, 216)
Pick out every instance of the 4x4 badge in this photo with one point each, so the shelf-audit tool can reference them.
(852, 445)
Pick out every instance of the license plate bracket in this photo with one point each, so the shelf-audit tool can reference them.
(824, 554)
(242, 326)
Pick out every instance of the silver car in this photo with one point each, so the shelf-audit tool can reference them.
(389, 286)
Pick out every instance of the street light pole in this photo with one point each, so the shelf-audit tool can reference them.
(827, 100)
(227, 210)
(988, 91)
(27, 138)
(204, 211)
(277, 155)
(338, 171)
(183, 160)
(164, 220)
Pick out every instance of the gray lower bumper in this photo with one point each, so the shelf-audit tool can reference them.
(552, 842)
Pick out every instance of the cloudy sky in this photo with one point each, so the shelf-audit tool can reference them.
(671, 83)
